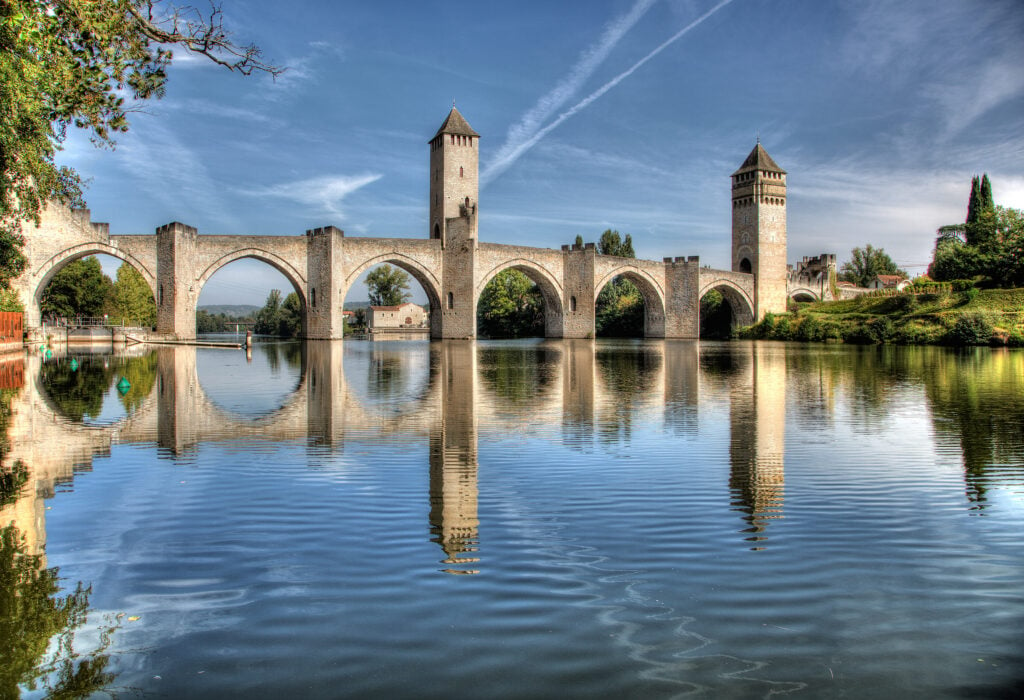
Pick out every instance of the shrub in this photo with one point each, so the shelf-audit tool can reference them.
(809, 329)
(962, 285)
(880, 330)
(783, 329)
(971, 329)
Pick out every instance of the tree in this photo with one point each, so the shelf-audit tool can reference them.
(69, 63)
(987, 247)
(1007, 257)
(715, 316)
(510, 306)
(132, 299)
(78, 289)
(611, 244)
(980, 227)
(388, 286)
(867, 263)
(289, 322)
(210, 323)
(277, 318)
(267, 318)
(579, 240)
(620, 305)
(974, 201)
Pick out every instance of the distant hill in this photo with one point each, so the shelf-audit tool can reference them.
(233, 310)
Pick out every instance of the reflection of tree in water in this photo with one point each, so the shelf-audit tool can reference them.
(37, 624)
(270, 351)
(977, 400)
(293, 355)
(723, 362)
(6, 395)
(290, 353)
(518, 374)
(34, 617)
(627, 378)
(386, 375)
(79, 393)
(975, 395)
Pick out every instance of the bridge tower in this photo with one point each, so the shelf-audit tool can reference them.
(759, 228)
(454, 182)
(454, 157)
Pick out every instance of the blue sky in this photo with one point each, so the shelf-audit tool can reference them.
(623, 114)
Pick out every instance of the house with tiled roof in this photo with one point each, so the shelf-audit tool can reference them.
(897, 282)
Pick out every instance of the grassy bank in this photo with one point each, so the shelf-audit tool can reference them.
(972, 317)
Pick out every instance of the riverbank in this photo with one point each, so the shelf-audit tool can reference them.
(971, 317)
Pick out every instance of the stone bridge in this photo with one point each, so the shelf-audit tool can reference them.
(323, 264)
(451, 263)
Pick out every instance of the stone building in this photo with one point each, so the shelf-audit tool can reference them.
(407, 316)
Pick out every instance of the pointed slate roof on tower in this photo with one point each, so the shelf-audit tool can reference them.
(456, 124)
(759, 160)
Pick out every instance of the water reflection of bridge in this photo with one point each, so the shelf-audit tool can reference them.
(584, 390)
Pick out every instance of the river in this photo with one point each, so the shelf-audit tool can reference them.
(518, 519)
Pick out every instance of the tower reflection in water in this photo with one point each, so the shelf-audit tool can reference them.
(590, 392)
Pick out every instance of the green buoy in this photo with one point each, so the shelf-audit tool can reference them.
(74, 364)
(124, 385)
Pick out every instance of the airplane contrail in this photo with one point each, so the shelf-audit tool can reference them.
(505, 159)
(588, 62)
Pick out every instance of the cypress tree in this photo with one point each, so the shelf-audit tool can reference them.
(974, 203)
(985, 193)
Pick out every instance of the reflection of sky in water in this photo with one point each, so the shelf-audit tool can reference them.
(393, 375)
(647, 519)
(112, 411)
(249, 388)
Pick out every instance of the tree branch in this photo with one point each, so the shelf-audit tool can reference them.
(186, 26)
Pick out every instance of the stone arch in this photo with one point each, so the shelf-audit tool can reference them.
(550, 290)
(743, 259)
(803, 294)
(422, 274)
(275, 261)
(739, 300)
(650, 289)
(41, 276)
(278, 263)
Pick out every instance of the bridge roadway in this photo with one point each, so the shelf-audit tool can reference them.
(578, 392)
(322, 266)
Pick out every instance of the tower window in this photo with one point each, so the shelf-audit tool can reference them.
(745, 265)
(572, 303)
(437, 231)
(312, 297)
(451, 300)
(460, 171)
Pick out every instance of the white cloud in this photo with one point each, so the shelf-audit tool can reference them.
(326, 192)
(224, 111)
